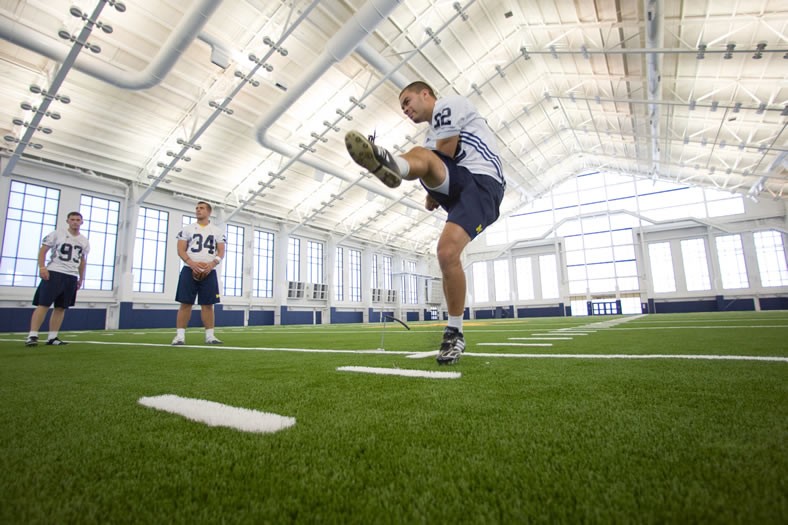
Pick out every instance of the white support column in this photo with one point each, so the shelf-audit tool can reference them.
(124, 258)
(331, 269)
(280, 272)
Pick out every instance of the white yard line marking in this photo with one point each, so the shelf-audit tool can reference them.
(218, 415)
(421, 355)
(417, 355)
(700, 327)
(514, 344)
(540, 338)
(400, 372)
(636, 356)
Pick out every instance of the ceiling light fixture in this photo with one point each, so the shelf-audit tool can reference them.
(77, 13)
(20, 122)
(182, 142)
(457, 7)
(433, 36)
(729, 51)
(54, 115)
(120, 7)
(247, 78)
(357, 103)
(179, 157)
(65, 35)
(759, 50)
(12, 139)
(259, 62)
(344, 115)
(281, 50)
(43, 92)
(219, 107)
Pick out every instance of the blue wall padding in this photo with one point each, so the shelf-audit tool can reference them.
(261, 317)
(18, 319)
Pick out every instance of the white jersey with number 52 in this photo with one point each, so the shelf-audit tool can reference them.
(478, 147)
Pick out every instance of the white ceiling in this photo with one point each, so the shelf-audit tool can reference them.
(568, 86)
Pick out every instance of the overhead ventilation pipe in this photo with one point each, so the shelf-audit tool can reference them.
(655, 40)
(182, 36)
(348, 38)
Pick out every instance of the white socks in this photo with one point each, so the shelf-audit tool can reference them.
(402, 166)
(455, 321)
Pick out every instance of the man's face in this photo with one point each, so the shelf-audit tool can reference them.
(74, 222)
(417, 105)
(202, 211)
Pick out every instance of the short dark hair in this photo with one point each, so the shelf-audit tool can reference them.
(71, 214)
(419, 85)
(210, 208)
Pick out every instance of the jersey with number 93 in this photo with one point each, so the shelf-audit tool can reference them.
(202, 241)
(66, 251)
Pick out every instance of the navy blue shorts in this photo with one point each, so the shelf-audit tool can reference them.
(60, 290)
(205, 291)
(473, 202)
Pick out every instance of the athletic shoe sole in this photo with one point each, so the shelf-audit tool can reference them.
(447, 360)
(361, 152)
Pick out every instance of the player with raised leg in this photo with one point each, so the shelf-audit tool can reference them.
(460, 168)
(201, 247)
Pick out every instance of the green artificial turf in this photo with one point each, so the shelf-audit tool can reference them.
(513, 440)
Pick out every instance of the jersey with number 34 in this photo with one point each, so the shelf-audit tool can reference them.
(202, 241)
(66, 251)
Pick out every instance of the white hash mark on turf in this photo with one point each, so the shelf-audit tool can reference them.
(400, 372)
(218, 415)
(514, 344)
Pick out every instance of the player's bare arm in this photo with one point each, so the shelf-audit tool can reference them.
(43, 272)
(448, 146)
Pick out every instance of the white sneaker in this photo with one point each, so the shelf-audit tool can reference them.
(213, 341)
(178, 341)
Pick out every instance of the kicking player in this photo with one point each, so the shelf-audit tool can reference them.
(201, 247)
(60, 279)
(460, 167)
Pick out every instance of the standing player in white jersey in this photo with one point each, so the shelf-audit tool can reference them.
(460, 168)
(60, 279)
(201, 247)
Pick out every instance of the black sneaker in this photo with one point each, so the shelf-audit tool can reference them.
(452, 347)
(31, 340)
(374, 159)
(56, 341)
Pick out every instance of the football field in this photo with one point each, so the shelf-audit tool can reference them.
(656, 418)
